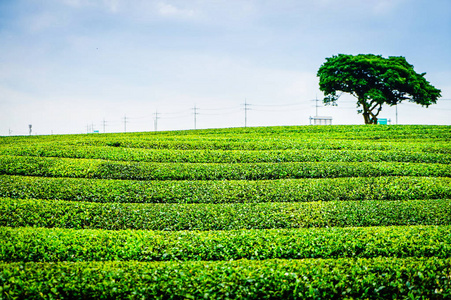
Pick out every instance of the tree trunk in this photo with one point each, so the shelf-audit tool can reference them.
(368, 116)
(368, 119)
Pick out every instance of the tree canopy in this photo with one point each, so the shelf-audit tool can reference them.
(374, 81)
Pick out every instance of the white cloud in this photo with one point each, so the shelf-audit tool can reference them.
(385, 7)
(43, 21)
(82, 60)
(110, 5)
(168, 10)
(376, 7)
(78, 3)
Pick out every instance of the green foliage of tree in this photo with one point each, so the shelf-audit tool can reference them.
(374, 81)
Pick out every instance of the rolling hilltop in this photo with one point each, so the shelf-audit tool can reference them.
(302, 212)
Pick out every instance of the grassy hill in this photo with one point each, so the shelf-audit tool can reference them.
(302, 212)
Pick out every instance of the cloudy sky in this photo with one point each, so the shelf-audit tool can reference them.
(73, 66)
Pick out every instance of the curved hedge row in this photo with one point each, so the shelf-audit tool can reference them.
(87, 168)
(237, 142)
(47, 245)
(107, 216)
(249, 142)
(222, 156)
(224, 191)
(172, 217)
(378, 278)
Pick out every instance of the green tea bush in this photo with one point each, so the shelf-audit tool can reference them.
(87, 168)
(172, 217)
(226, 191)
(221, 156)
(247, 141)
(375, 278)
(299, 212)
(47, 245)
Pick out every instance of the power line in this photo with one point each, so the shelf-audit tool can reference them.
(278, 110)
(171, 118)
(185, 111)
(284, 104)
(222, 108)
(193, 112)
(236, 110)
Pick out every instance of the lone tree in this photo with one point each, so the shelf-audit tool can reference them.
(374, 80)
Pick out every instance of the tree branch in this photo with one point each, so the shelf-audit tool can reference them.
(378, 110)
(374, 106)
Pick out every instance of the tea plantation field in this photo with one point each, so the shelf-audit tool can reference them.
(305, 212)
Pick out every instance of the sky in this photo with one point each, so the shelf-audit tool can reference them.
(82, 66)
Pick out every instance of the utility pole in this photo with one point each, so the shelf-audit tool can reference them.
(104, 124)
(246, 108)
(156, 120)
(195, 115)
(396, 114)
(316, 105)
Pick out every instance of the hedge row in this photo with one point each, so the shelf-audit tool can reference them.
(88, 168)
(230, 142)
(252, 142)
(286, 190)
(222, 156)
(172, 217)
(47, 245)
(376, 278)
(336, 131)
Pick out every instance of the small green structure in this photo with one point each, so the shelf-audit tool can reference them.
(383, 121)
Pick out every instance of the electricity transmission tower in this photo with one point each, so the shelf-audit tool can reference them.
(246, 108)
(125, 123)
(195, 113)
(156, 120)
